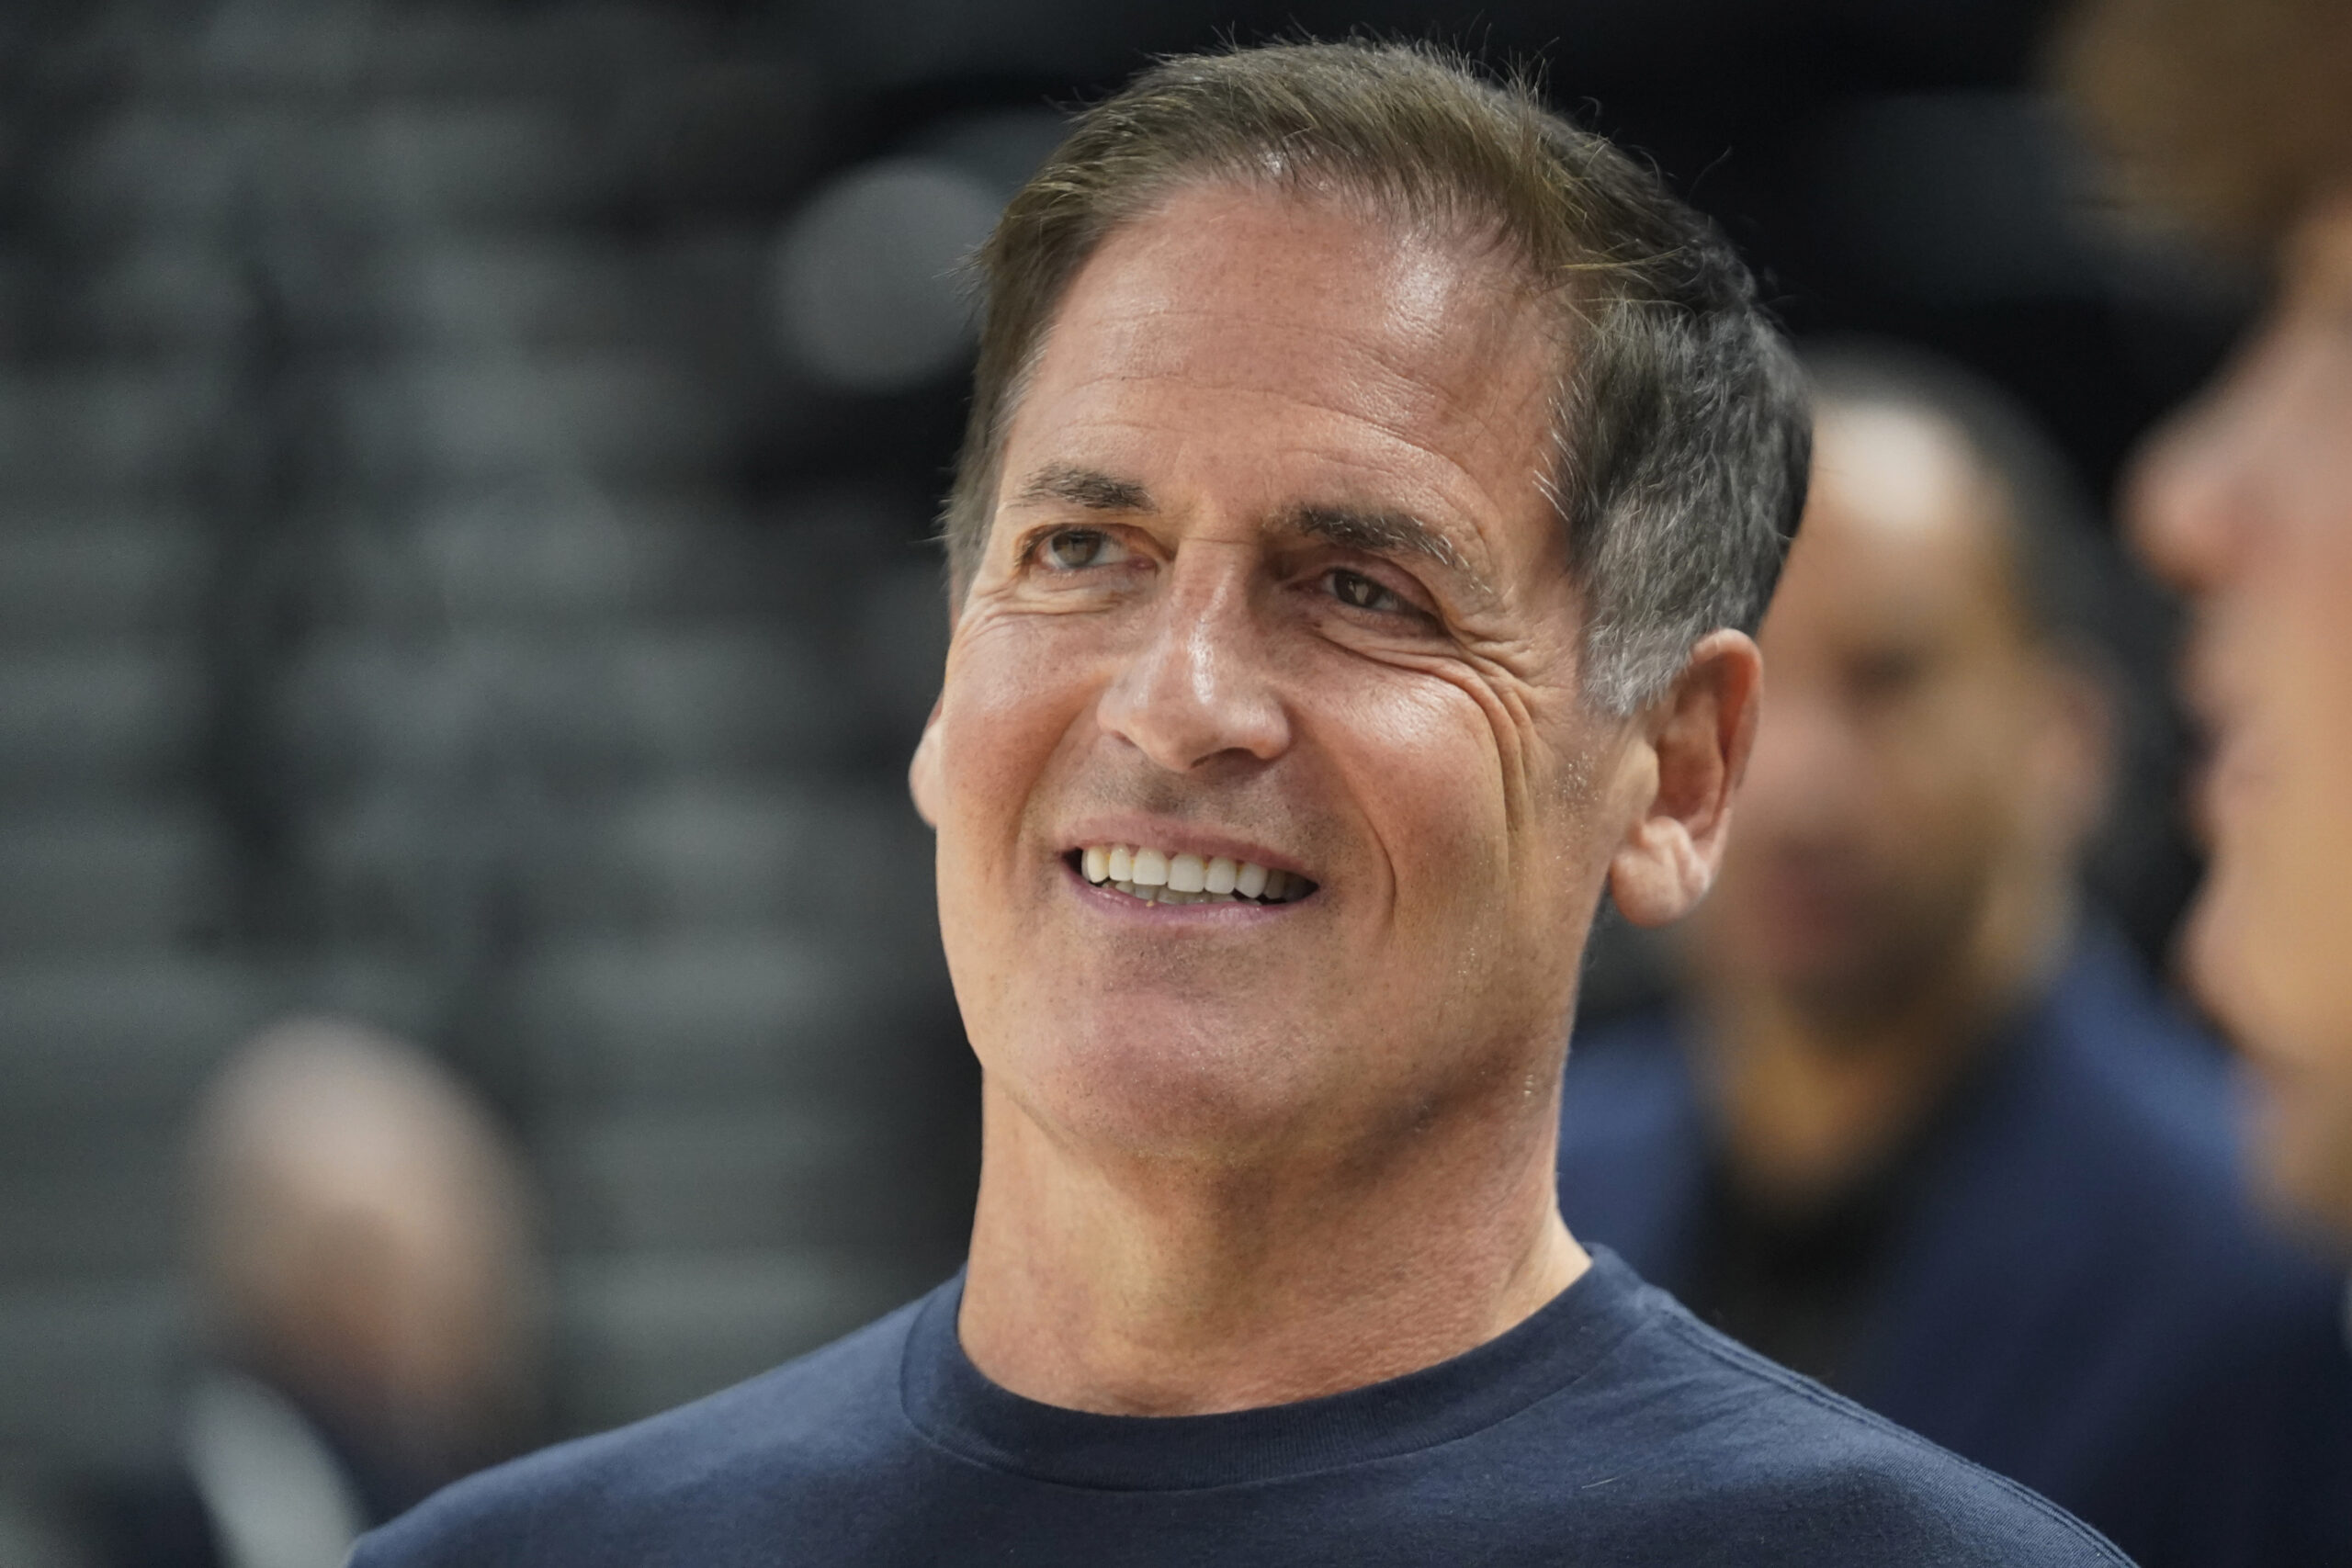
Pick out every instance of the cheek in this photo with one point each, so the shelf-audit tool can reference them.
(1489, 887)
(2284, 856)
(1474, 816)
(1432, 786)
(1002, 699)
(2309, 661)
(1434, 766)
(1007, 704)
(1958, 773)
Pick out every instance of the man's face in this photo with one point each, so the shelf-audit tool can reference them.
(2246, 504)
(1271, 581)
(1915, 743)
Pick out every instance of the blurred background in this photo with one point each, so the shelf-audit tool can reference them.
(465, 472)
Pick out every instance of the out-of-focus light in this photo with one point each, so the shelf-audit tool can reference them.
(867, 293)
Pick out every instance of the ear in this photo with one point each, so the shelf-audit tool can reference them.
(922, 773)
(1688, 754)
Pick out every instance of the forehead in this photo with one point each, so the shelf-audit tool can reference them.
(1902, 527)
(1302, 347)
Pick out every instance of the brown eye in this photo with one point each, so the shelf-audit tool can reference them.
(1073, 548)
(1355, 588)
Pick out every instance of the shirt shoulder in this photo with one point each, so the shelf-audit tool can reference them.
(1796, 1473)
(635, 1494)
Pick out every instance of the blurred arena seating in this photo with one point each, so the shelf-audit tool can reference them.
(383, 630)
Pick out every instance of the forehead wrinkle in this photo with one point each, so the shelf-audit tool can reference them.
(1373, 527)
(1044, 484)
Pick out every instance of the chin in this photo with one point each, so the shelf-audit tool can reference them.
(1157, 1086)
(2303, 1155)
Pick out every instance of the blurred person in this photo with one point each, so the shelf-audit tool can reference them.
(369, 1295)
(1921, 1128)
(2235, 116)
(1286, 743)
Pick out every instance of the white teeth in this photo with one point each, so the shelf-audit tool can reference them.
(1156, 876)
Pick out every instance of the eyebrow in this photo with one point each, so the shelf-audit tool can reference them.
(1372, 530)
(1087, 487)
(1378, 532)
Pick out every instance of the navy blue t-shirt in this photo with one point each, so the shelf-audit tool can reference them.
(1611, 1429)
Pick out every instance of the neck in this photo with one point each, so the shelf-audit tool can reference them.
(1810, 1097)
(1164, 1286)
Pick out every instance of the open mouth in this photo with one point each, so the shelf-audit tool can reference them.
(1158, 876)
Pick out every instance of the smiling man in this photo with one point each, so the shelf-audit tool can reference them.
(1371, 486)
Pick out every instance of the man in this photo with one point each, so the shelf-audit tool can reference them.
(371, 1304)
(1286, 742)
(2237, 117)
(1921, 1132)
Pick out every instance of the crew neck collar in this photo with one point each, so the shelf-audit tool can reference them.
(952, 1403)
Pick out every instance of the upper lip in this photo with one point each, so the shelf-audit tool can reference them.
(1179, 838)
(2211, 670)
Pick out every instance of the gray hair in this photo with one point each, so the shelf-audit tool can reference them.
(1680, 430)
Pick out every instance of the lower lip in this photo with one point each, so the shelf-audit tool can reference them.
(1112, 899)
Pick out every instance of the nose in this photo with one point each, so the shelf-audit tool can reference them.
(2187, 499)
(1199, 687)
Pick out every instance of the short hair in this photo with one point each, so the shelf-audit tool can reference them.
(1679, 432)
(2078, 600)
(2233, 114)
(2055, 550)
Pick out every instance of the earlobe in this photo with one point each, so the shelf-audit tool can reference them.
(1660, 875)
(1687, 762)
(922, 773)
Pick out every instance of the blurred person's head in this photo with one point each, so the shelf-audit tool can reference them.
(2237, 115)
(1933, 753)
(1371, 480)
(364, 1241)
